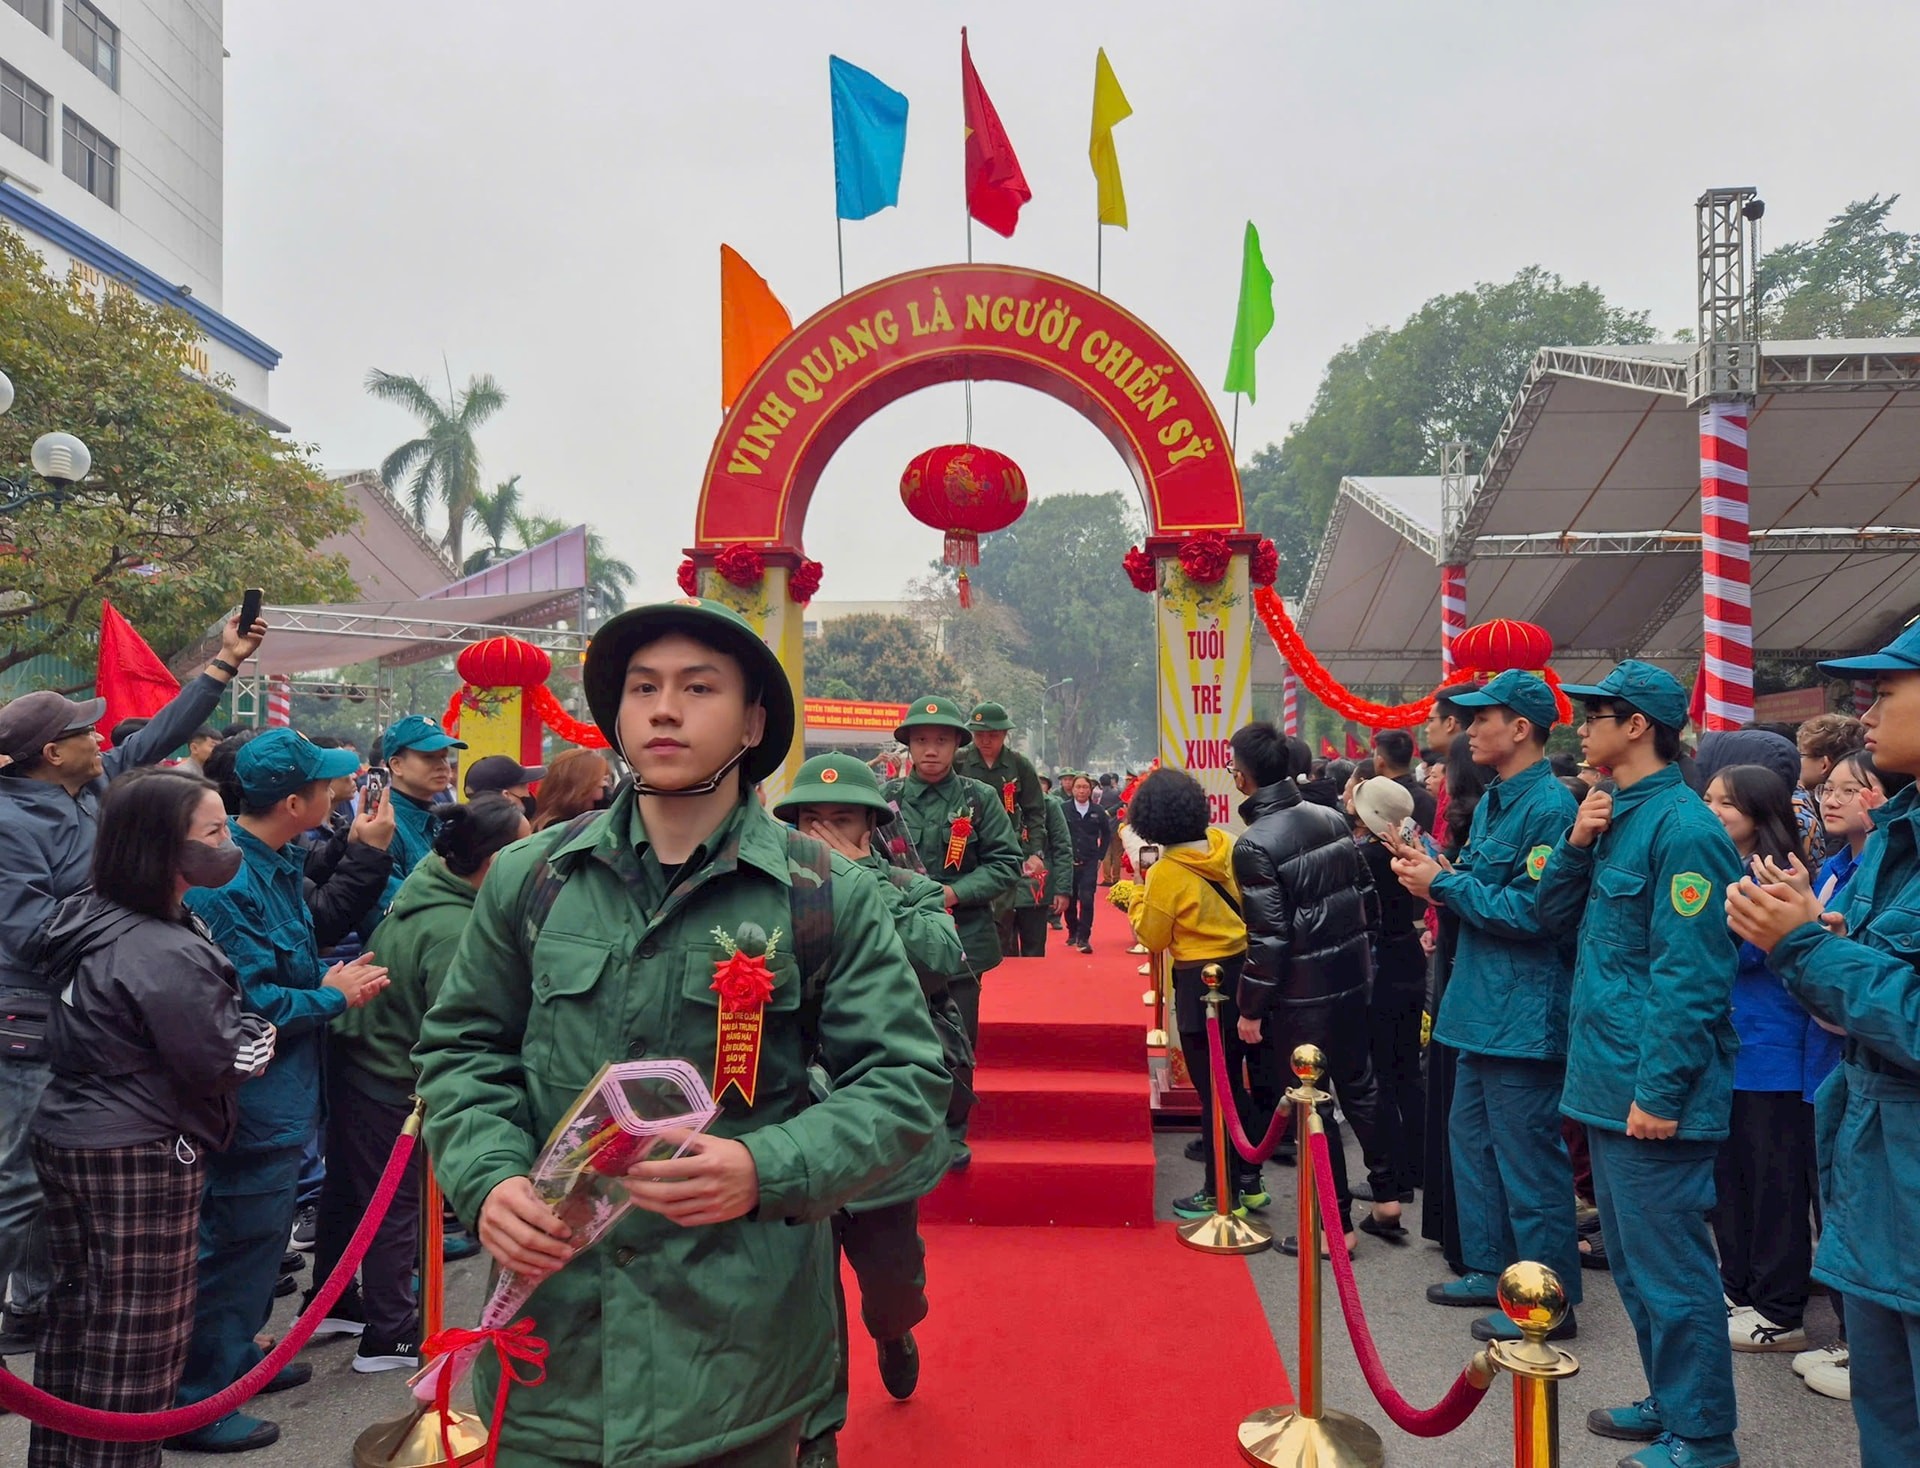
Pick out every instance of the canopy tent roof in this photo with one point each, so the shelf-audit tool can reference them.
(306, 639)
(1586, 517)
(388, 555)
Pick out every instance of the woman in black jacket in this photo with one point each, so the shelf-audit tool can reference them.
(147, 1043)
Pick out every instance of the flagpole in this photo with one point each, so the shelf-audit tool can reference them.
(1099, 254)
(840, 248)
(963, 175)
(1233, 438)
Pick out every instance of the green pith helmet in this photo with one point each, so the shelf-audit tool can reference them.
(933, 712)
(987, 717)
(833, 779)
(708, 622)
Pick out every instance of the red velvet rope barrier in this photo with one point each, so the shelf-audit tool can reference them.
(1461, 1398)
(145, 1427)
(1282, 1114)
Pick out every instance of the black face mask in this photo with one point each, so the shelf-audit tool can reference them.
(530, 805)
(606, 798)
(209, 866)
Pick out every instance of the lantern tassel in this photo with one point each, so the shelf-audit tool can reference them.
(963, 548)
(966, 593)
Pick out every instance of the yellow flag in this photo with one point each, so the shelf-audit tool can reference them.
(1110, 105)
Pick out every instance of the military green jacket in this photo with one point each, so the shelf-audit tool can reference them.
(1017, 783)
(989, 863)
(670, 1344)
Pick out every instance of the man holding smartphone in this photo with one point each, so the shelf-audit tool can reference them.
(419, 755)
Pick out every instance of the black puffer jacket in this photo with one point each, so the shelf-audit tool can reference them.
(1310, 902)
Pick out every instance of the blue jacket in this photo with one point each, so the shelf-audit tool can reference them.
(1772, 1026)
(1508, 991)
(1650, 1023)
(46, 835)
(260, 919)
(1867, 1115)
(412, 842)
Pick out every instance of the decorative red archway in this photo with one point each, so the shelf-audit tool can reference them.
(994, 323)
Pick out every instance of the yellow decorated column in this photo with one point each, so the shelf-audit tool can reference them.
(773, 613)
(1204, 616)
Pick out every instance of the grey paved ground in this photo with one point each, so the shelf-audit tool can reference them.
(1783, 1425)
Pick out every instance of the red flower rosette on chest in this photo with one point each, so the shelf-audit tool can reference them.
(744, 981)
(958, 834)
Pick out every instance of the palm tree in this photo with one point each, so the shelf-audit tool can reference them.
(444, 462)
(608, 577)
(496, 514)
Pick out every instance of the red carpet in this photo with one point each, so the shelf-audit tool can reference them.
(1062, 1133)
(1053, 1348)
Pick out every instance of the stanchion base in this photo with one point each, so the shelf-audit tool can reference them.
(1281, 1438)
(1148, 998)
(1156, 1039)
(1223, 1233)
(413, 1441)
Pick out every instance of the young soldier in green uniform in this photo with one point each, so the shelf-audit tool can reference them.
(701, 1330)
(1650, 1053)
(837, 801)
(1505, 1008)
(1860, 969)
(1059, 857)
(966, 843)
(1022, 918)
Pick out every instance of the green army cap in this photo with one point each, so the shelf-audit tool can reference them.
(987, 717)
(708, 622)
(933, 712)
(833, 779)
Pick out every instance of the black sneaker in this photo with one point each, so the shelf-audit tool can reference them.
(457, 1244)
(306, 1223)
(820, 1452)
(292, 1263)
(1196, 1150)
(347, 1317)
(20, 1334)
(287, 1285)
(375, 1355)
(900, 1366)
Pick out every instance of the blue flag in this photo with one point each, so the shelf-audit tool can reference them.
(869, 140)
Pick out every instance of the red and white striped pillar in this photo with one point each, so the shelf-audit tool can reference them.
(1453, 612)
(1725, 566)
(279, 702)
(1290, 703)
(1862, 697)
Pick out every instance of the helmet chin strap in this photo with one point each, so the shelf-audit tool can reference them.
(704, 787)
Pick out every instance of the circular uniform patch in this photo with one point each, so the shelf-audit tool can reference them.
(686, 601)
(1690, 893)
(828, 776)
(1537, 861)
(933, 708)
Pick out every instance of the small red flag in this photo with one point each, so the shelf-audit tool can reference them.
(1327, 749)
(996, 188)
(1697, 700)
(1354, 750)
(131, 677)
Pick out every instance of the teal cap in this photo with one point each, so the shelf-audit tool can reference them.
(280, 762)
(1902, 655)
(1526, 694)
(1654, 691)
(416, 732)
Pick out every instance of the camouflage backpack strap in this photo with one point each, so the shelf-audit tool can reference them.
(539, 895)
(810, 904)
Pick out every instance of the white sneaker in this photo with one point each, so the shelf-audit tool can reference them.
(1828, 1355)
(1752, 1331)
(1832, 1379)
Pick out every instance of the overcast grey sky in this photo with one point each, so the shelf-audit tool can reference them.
(540, 190)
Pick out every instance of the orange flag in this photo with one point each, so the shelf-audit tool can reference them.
(752, 323)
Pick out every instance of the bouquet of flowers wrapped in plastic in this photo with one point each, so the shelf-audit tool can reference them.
(632, 1111)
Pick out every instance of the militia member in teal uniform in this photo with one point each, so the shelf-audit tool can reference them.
(701, 1329)
(1023, 920)
(419, 756)
(1860, 969)
(837, 801)
(965, 841)
(1505, 1008)
(1642, 876)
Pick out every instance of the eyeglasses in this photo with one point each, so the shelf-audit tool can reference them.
(1233, 770)
(1845, 792)
(1593, 718)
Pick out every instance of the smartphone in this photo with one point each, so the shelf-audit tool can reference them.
(374, 791)
(250, 601)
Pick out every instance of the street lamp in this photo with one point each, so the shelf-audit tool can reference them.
(59, 458)
(1040, 740)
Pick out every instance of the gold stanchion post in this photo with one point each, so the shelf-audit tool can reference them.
(1535, 1300)
(1220, 1232)
(1308, 1435)
(415, 1440)
(1159, 966)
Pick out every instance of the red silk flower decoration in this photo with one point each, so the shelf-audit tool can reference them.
(689, 577)
(1140, 570)
(1205, 557)
(741, 564)
(743, 981)
(803, 582)
(1263, 567)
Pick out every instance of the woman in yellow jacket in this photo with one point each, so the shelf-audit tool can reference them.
(1188, 906)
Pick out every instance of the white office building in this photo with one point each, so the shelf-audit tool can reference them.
(112, 158)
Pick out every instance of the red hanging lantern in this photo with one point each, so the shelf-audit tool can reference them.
(1502, 644)
(503, 662)
(965, 491)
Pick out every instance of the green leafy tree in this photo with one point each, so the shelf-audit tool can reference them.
(1860, 278)
(877, 659)
(187, 502)
(1058, 568)
(443, 463)
(1387, 402)
(493, 515)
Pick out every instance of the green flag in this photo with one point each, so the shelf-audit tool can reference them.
(1253, 320)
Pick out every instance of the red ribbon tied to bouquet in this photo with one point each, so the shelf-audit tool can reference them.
(523, 1362)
